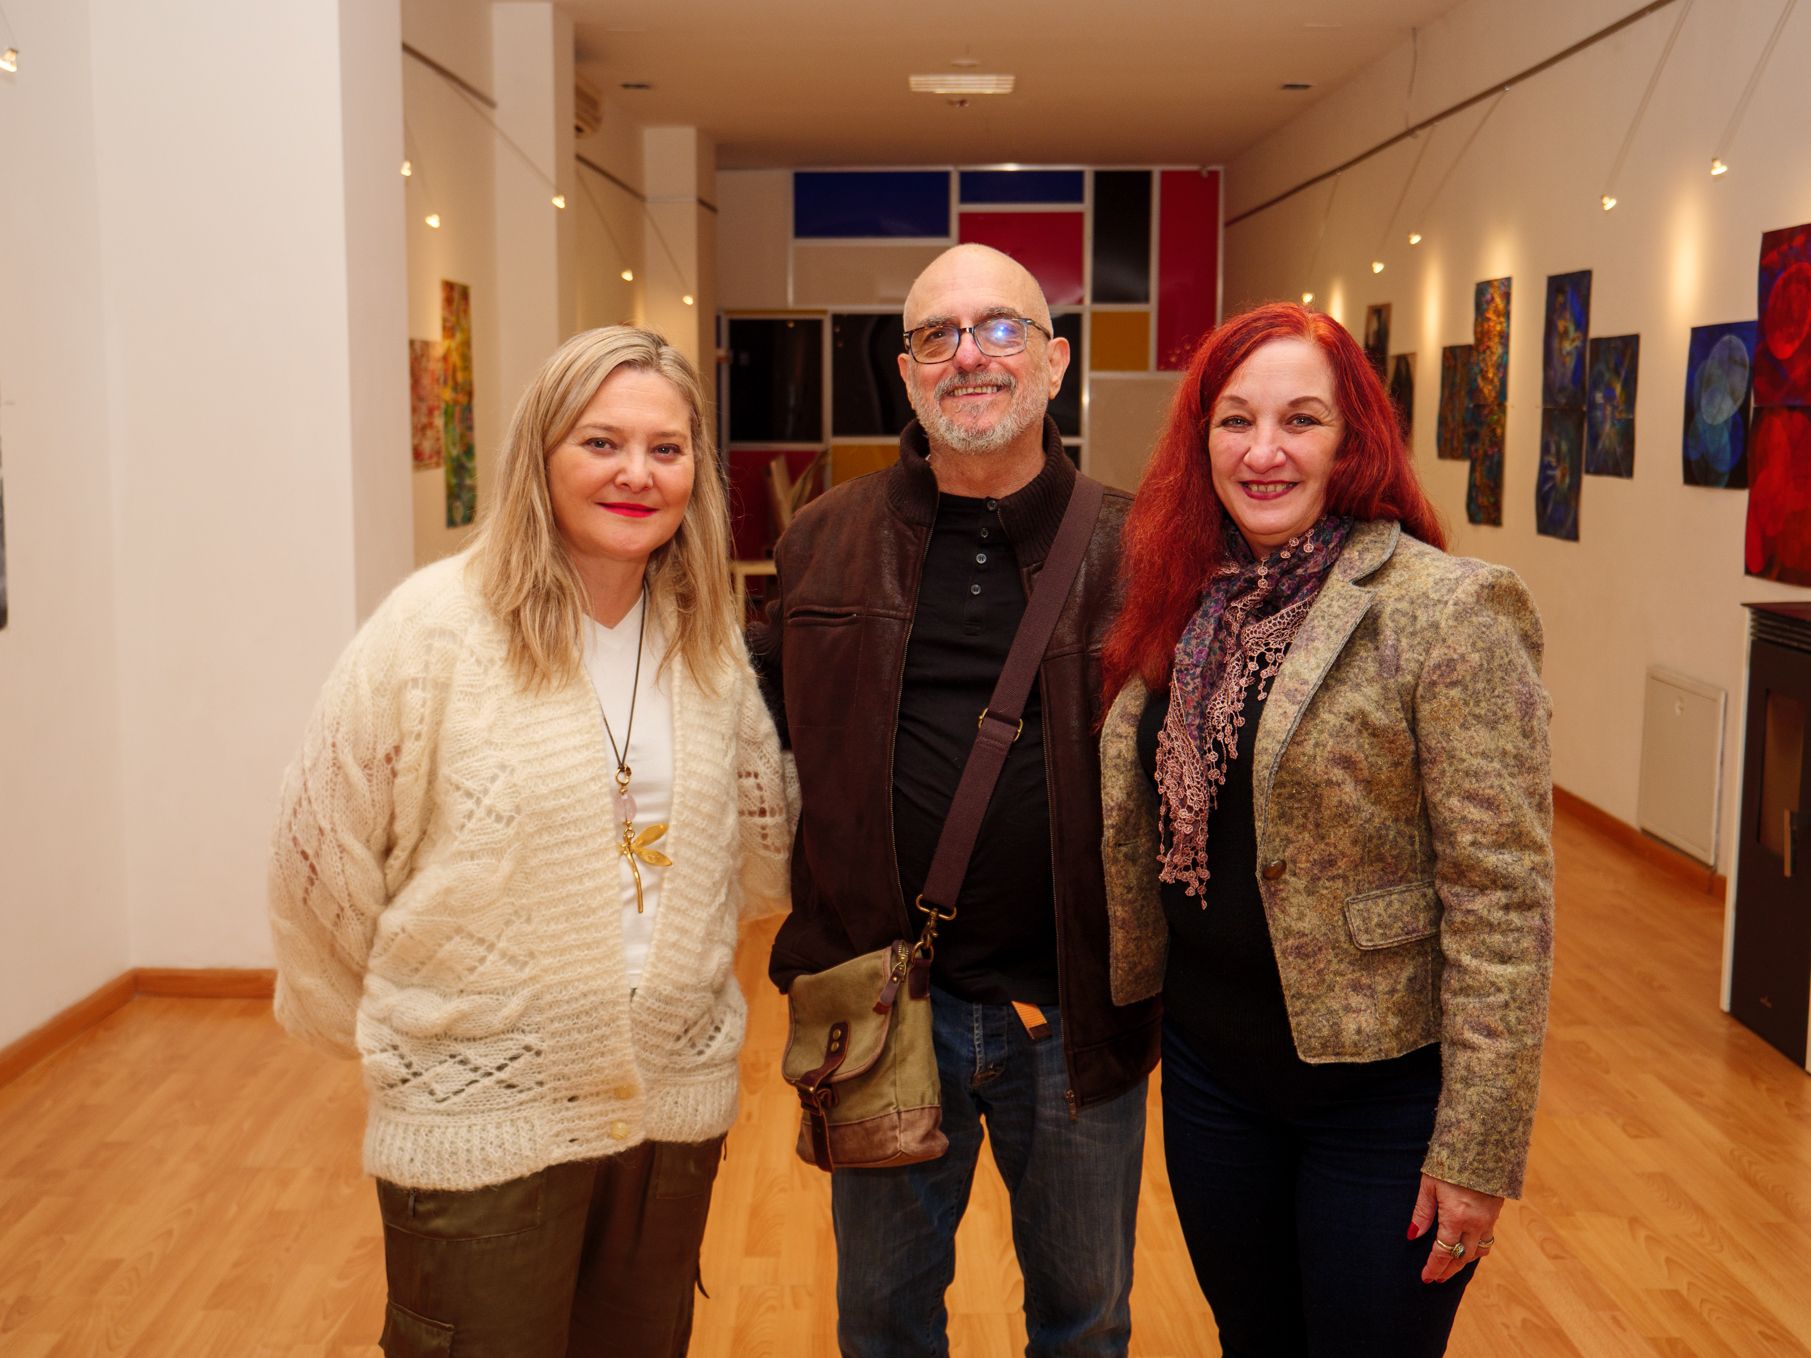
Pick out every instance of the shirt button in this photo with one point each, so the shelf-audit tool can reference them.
(980, 558)
(984, 535)
(624, 1093)
(992, 505)
(619, 1131)
(1275, 868)
(974, 589)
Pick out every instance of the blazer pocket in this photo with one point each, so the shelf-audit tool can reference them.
(1393, 916)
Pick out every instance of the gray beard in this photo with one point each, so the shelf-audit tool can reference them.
(1026, 410)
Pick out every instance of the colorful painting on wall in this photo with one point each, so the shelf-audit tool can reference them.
(1449, 427)
(1778, 545)
(1402, 393)
(1556, 486)
(1563, 341)
(1377, 338)
(427, 363)
(1719, 366)
(1487, 399)
(1614, 367)
(459, 446)
(1782, 357)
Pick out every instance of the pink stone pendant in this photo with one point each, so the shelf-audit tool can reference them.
(625, 808)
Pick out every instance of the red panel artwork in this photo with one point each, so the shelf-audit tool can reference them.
(1779, 495)
(1782, 359)
(1188, 262)
(1047, 243)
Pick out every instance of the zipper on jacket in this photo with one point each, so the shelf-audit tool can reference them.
(924, 548)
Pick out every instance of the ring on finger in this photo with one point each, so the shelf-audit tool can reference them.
(1456, 1249)
(1486, 1243)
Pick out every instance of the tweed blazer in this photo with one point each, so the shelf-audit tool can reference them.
(1403, 800)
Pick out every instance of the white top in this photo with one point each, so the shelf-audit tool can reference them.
(434, 899)
(610, 660)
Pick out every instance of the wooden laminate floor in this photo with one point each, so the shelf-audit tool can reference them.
(184, 1181)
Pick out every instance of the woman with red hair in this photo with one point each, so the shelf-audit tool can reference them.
(1328, 817)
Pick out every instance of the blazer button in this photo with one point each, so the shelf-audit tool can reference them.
(1275, 868)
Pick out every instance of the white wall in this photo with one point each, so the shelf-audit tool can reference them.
(63, 916)
(610, 226)
(1656, 577)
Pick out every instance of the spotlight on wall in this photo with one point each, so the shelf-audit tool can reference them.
(408, 168)
(559, 201)
(1414, 238)
(1307, 299)
(433, 220)
(689, 300)
(628, 275)
(1717, 167)
(1377, 266)
(9, 59)
(1608, 202)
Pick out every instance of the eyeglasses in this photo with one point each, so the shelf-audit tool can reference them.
(997, 337)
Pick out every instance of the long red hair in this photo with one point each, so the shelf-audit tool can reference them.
(1172, 542)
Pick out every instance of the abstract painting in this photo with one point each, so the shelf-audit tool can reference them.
(1402, 394)
(1449, 428)
(1377, 338)
(1487, 399)
(1782, 357)
(1719, 366)
(1614, 366)
(459, 446)
(1563, 341)
(427, 363)
(1778, 545)
(1562, 464)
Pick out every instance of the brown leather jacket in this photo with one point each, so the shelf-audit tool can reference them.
(831, 654)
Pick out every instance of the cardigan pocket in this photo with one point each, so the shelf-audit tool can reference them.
(1393, 916)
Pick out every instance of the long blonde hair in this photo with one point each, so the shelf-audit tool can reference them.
(523, 570)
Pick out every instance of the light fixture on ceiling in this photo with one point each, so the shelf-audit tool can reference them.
(689, 300)
(1307, 299)
(1377, 266)
(9, 59)
(408, 168)
(960, 82)
(1414, 238)
(1717, 167)
(559, 201)
(1608, 202)
(433, 220)
(628, 275)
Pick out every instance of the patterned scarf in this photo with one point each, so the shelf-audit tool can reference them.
(1248, 616)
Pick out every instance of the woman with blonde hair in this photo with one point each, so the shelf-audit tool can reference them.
(536, 796)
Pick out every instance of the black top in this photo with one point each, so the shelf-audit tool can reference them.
(1222, 990)
(1002, 944)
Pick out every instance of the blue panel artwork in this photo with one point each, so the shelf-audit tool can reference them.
(1021, 186)
(830, 204)
(1719, 369)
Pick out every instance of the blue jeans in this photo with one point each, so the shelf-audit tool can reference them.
(1296, 1215)
(1073, 1186)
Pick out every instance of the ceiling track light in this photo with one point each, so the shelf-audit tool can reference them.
(408, 168)
(9, 59)
(689, 300)
(628, 275)
(1717, 167)
(1608, 201)
(1307, 299)
(559, 201)
(433, 220)
(1377, 266)
(1414, 238)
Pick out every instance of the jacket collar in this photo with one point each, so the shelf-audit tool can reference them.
(1030, 514)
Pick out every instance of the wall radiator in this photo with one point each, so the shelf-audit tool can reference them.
(1681, 762)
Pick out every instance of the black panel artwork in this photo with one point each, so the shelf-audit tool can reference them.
(776, 380)
(1122, 236)
(867, 398)
(1066, 409)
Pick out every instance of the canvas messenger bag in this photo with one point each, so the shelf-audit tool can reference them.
(859, 1050)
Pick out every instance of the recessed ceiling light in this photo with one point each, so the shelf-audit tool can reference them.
(947, 82)
(1296, 85)
(636, 85)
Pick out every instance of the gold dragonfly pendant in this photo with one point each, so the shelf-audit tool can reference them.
(635, 846)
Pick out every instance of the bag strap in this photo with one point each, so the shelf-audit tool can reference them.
(1001, 720)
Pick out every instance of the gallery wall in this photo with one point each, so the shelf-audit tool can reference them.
(1511, 189)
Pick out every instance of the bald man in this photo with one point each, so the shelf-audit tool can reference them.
(897, 597)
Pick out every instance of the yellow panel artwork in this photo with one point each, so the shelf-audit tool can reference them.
(1120, 341)
(850, 460)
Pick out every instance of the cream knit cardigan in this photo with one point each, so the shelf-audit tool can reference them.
(444, 902)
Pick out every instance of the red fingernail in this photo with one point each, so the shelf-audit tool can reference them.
(1414, 1230)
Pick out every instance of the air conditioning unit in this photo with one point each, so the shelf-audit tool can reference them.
(587, 108)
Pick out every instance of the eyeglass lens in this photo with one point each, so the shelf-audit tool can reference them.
(997, 338)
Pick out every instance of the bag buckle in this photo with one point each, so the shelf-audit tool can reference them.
(981, 720)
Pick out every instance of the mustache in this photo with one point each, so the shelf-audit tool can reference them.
(1005, 381)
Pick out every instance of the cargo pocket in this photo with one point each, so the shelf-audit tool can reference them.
(407, 1335)
(1393, 916)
